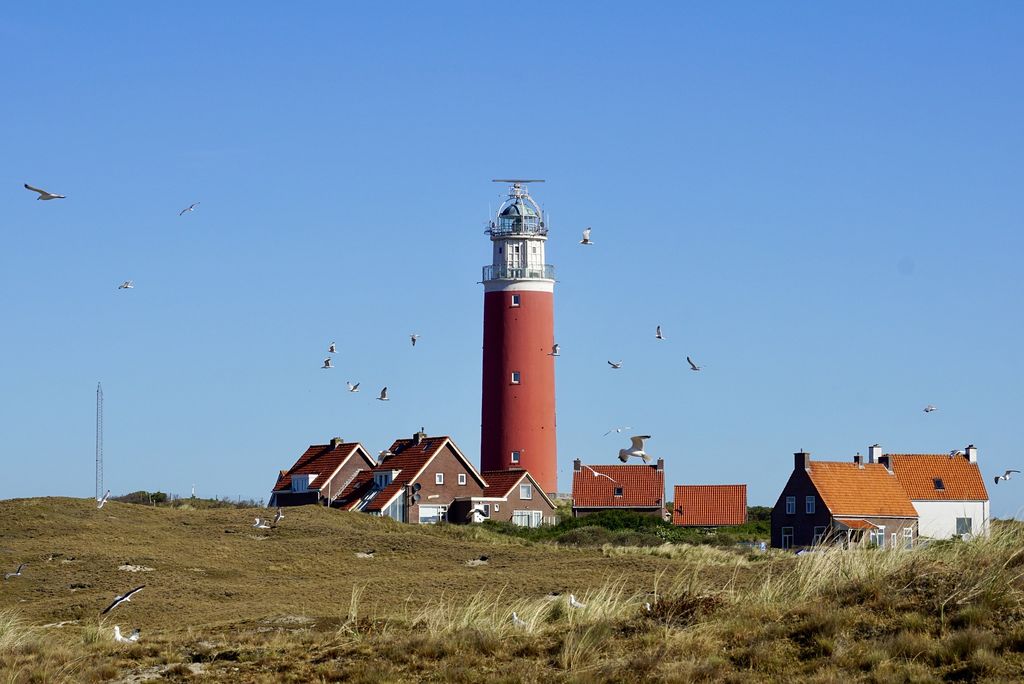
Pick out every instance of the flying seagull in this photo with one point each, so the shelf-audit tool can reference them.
(189, 208)
(636, 448)
(597, 474)
(351, 387)
(929, 408)
(261, 524)
(1006, 476)
(693, 366)
(278, 516)
(615, 364)
(619, 429)
(555, 350)
(100, 502)
(43, 194)
(586, 237)
(16, 573)
(126, 285)
(658, 335)
(383, 395)
(327, 363)
(130, 639)
(413, 338)
(518, 621)
(575, 603)
(331, 348)
(127, 596)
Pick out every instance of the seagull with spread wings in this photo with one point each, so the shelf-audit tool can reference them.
(383, 395)
(328, 363)
(615, 364)
(130, 639)
(16, 573)
(331, 348)
(278, 517)
(126, 285)
(100, 502)
(657, 334)
(123, 598)
(556, 350)
(261, 524)
(413, 337)
(43, 194)
(929, 408)
(351, 387)
(188, 209)
(586, 237)
(636, 448)
(693, 366)
(597, 474)
(615, 430)
(1006, 476)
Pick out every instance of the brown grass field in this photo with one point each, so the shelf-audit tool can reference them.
(226, 602)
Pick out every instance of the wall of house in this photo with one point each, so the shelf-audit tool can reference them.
(284, 498)
(803, 524)
(938, 518)
(431, 494)
(890, 525)
(515, 503)
(343, 476)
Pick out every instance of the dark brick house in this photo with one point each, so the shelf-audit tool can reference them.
(842, 502)
(511, 496)
(321, 473)
(639, 488)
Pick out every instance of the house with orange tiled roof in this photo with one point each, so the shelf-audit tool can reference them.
(709, 505)
(511, 495)
(321, 472)
(849, 502)
(947, 490)
(416, 480)
(639, 488)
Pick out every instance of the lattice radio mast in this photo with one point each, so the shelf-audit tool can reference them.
(99, 441)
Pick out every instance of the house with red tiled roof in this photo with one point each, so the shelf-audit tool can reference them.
(842, 502)
(639, 488)
(321, 472)
(709, 505)
(417, 480)
(511, 495)
(947, 490)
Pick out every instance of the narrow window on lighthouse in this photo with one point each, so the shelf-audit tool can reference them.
(515, 377)
(515, 300)
(515, 457)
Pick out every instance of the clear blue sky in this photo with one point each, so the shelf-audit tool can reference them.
(821, 203)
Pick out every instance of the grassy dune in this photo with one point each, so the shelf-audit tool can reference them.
(226, 602)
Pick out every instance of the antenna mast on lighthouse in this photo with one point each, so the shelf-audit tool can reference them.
(99, 441)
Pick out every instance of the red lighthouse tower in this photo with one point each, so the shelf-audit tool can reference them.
(517, 427)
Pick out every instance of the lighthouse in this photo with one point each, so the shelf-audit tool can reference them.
(517, 425)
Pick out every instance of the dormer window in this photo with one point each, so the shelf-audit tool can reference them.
(939, 485)
(618, 491)
(300, 483)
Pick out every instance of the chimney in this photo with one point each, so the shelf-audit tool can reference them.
(661, 464)
(884, 460)
(972, 453)
(801, 459)
(576, 465)
(336, 442)
(874, 453)
(859, 460)
(418, 437)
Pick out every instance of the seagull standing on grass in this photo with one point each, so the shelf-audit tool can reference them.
(327, 363)
(575, 603)
(127, 596)
(100, 502)
(43, 194)
(615, 364)
(351, 387)
(188, 209)
(658, 335)
(383, 395)
(586, 237)
(130, 639)
(261, 524)
(929, 408)
(1006, 476)
(636, 448)
(693, 366)
(518, 621)
(126, 285)
(16, 573)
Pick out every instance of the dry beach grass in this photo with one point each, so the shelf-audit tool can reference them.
(226, 602)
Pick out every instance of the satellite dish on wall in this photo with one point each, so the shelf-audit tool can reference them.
(416, 487)
(415, 498)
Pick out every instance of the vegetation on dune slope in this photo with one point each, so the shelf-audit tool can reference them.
(225, 602)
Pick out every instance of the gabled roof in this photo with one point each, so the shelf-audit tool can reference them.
(501, 482)
(961, 479)
(848, 489)
(355, 490)
(709, 505)
(856, 524)
(411, 458)
(322, 460)
(643, 486)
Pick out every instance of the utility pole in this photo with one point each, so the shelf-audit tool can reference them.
(99, 441)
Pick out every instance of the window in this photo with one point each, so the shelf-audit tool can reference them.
(487, 510)
(618, 491)
(438, 478)
(790, 505)
(497, 508)
(908, 537)
(462, 478)
(432, 514)
(787, 537)
(939, 485)
(809, 505)
(525, 491)
(877, 538)
(300, 483)
(515, 377)
(515, 300)
(819, 536)
(515, 456)
(527, 518)
(963, 526)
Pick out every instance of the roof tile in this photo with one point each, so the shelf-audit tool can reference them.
(709, 505)
(643, 486)
(871, 490)
(961, 479)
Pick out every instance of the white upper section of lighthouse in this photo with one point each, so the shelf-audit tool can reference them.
(518, 233)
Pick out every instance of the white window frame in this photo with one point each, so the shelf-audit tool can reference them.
(487, 510)
(790, 505)
(787, 537)
(970, 526)
(516, 456)
(439, 478)
(516, 378)
(515, 300)
(617, 491)
(496, 508)
(908, 537)
(440, 510)
(462, 478)
(809, 505)
(525, 492)
(819, 535)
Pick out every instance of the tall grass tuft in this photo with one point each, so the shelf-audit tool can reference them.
(13, 631)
